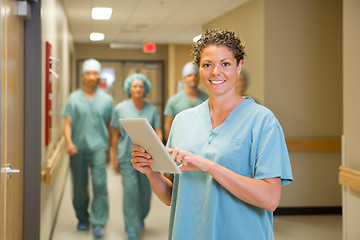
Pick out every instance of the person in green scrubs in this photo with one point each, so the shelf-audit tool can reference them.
(87, 116)
(231, 151)
(136, 186)
(189, 97)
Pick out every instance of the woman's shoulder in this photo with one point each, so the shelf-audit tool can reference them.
(261, 114)
(122, 104)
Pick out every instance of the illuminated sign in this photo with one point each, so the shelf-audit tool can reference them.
(149, 48)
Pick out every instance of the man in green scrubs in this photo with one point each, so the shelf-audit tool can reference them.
(87, 116)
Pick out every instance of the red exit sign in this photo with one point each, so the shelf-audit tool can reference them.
(149, 47)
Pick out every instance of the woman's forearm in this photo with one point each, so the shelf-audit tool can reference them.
(161, 186)
(264, 193)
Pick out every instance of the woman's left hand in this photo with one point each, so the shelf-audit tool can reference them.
(189, 161)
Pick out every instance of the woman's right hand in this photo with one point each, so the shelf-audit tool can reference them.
(141, 160)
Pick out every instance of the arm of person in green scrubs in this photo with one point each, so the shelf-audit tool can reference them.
(109, 141)
(159, 133)
(114, 143)
(167, 125)
(71, 148)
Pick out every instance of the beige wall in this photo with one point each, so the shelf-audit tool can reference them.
(248, 22)
(303, 87)
(351, 38)
(55, 30)
(103, 51)
(294, 64)
(178, 56)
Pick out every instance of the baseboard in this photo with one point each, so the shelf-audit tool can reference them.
(308, 210)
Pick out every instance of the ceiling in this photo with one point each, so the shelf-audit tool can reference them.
(140, 21)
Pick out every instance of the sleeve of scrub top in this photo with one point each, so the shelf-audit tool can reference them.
(67, 110)
(115, 119)
(272, 156)
(157, 123)
(169, 111)
(111, 108)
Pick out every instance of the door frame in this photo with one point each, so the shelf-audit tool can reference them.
(33, 120)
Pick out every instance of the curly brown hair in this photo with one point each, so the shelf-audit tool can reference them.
(219, 37)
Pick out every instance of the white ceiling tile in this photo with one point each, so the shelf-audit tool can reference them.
(136, 21)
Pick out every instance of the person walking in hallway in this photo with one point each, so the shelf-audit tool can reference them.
(190, 97)
(137, 190)
(87, 116)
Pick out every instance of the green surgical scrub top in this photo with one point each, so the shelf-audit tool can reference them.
(126, 109)
(181, 101)
(89, 131)
(250, 142)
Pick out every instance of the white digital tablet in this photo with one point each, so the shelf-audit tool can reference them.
(142, 134)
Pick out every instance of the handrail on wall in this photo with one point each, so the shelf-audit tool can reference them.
(349, 177)
(51, 164)
(314, 145)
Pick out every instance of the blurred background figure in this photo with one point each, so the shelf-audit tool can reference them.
(189, 97)
(87, 116)
(242, 83)
(137, 191)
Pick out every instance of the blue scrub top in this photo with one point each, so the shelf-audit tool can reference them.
(181, 101)
(249, 142)
(126, 109)
(89, 130)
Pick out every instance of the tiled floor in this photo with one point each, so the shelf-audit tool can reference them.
(319, 227)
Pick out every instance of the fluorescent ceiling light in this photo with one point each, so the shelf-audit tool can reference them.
(126, 45)
(101, 13)
(195, 39)
(97, 36)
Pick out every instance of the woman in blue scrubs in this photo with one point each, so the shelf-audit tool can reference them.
(231, 151)
(137, 190)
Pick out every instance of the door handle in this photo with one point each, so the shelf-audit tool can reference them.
(9, 171)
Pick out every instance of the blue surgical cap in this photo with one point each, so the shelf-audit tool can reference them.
(188, 68)
(136, 76)
(91, 65)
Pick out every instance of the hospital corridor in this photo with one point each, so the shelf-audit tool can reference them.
(256, 100)
(294, 227)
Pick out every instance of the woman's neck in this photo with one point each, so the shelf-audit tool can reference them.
(221, 106)
(138, 103)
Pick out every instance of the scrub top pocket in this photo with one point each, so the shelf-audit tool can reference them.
(240, 161)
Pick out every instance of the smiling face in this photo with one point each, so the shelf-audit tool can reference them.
(137, 89)
(219, 70)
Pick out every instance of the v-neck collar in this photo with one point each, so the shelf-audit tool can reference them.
(87, 98)
(134, 107)
(229, 118)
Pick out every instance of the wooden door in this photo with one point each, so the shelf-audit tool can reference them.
(12, 121)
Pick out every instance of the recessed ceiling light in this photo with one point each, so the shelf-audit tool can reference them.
(97, 36)
(101, 13)
(195, 39)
